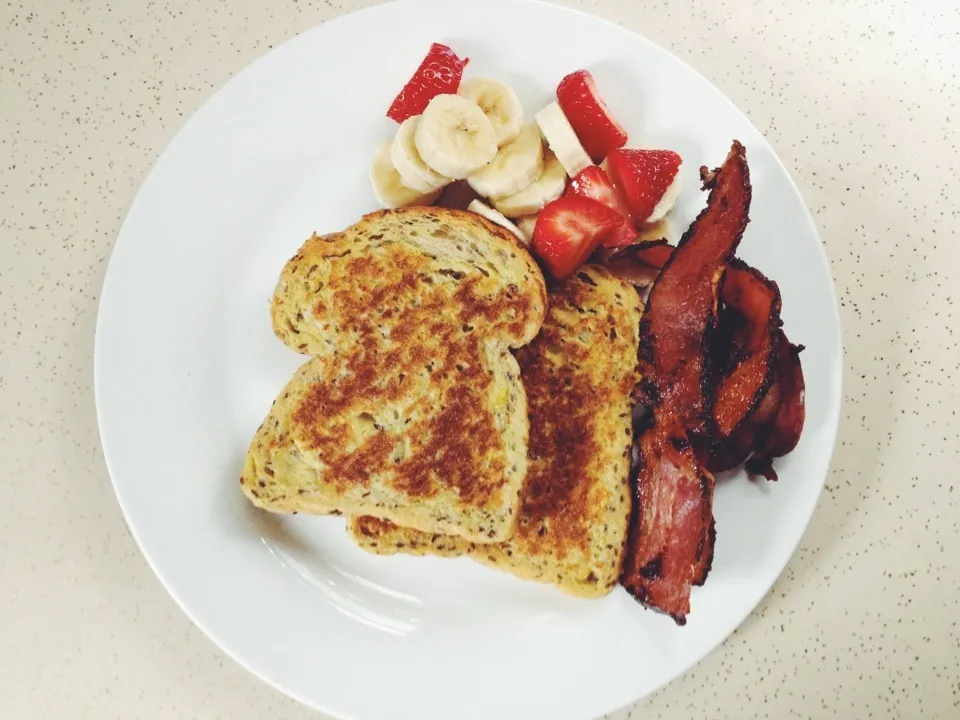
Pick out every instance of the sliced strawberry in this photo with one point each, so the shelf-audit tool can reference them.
(643, 176)
(594, 183)
(438, 74)
(569, 229)
(595, 125)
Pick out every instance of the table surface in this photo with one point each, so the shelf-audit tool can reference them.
(859, 98)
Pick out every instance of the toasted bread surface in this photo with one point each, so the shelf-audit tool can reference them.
(579, 374)
(412, 408)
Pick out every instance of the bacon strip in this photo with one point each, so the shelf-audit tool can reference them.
(780, 437)
(747, 357)
(682, 307)
(740, 391)
(669, 544)
(673, 506)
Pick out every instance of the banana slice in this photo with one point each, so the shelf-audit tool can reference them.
(562, 139)
(454, 137)
(497, 218)
(518, 164)
(389, 189)
(499, 103)
(413, 170)
(547, 188)
(526, 225)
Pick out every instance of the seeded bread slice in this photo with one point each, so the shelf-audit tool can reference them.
(412, 408)
(579, 374)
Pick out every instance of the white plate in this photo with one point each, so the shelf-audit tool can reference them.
(187, 366)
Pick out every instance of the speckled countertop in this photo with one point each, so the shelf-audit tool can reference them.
(862, 101)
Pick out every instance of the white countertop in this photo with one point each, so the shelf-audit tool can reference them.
(862, 102)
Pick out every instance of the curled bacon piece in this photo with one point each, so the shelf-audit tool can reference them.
(779, 436)
(740, 391)
(750, 353)
(669, 543)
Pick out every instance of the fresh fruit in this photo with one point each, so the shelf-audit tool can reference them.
(527, 224)
(438, 74)
(648, 179)
(569, 229)
(594, 183)
(562, 139)
(516, 165)
(499, 103)
(591, 119)
(484, 210)
(454, 137)
(546, 188)
(413, 170)
(387, 185)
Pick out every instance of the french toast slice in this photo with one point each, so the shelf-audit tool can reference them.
(412, 408)
(579, 373)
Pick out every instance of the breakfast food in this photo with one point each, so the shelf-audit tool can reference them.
(594, 183)
(438, 74)
(671, 538)
(455, 137)
(389, 187)
(535, 196)
(499, 103)
(412, 408)
(579, 374)
(569, 230)
(450, 409)
(473, 130)
(589, 115)
(478, 207)
(562, 139)
(515, 167)
(648, 179)
(414, 172)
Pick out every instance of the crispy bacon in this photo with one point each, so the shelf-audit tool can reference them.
(745, 356)
(779, 436)
(669, 544)
(740, 391)
(655, 255)
(673, 505)
(682, 307)
(706, 555)
(626, 263)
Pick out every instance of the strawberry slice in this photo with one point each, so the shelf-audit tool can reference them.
(569, 229)
(594, 183)
(438, 74)
(644, 177)
(598, 130)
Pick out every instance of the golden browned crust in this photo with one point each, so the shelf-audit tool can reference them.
(579, 374)
(413, 408)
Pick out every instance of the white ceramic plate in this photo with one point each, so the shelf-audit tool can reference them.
(187, 366)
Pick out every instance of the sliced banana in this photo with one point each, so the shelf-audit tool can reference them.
(389, 189)
(454, 137)
(493, 216)
(547, 188)
(499, 103)
(526, 225)
(413, 170)
(516, 165)
(562, 139)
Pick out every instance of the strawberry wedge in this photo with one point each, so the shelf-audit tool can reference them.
(594, 183)
(648, 179)
(438, 74)
(598, 130)
(569, 229)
